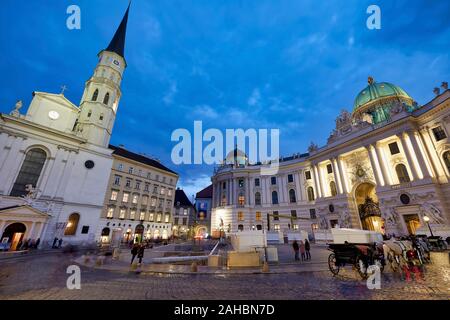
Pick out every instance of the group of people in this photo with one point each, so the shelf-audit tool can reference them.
(137, 250)
(57, 243)
(28, 244)
(302, 248)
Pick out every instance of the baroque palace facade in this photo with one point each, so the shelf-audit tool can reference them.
(385, 167)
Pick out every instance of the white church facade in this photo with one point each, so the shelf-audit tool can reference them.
(385, 167)
(55, 162)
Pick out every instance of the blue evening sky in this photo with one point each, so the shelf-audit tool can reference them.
(286, 64)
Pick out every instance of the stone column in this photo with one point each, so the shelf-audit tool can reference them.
(317, 182)
(2, 225)
(409, 156)
(298, 184)
(383, 165)
(337, 175)
(420, 156)
(373, 164)
(30, 233)
(435, 161)
(342, 175)
(323, 188)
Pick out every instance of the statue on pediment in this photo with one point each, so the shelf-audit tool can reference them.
(15, 112)
(313, 147)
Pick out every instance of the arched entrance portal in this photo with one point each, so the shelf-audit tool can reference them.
(368, 209)
(13, 234)
(201, 232)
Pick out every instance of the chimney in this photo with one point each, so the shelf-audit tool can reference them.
(436, 91)
(444, 85)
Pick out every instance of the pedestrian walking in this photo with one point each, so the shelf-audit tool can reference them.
(296, 250)
(302, 250)
(134, 252)
(59, 243)
(307, 249)
(54, 242)
(38, 241)
(140, 254)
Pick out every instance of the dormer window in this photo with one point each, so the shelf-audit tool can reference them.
(95, 95)
(106, 99)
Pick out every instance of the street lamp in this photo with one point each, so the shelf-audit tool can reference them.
(427, 220)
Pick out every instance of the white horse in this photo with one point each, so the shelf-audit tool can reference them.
(395, 253)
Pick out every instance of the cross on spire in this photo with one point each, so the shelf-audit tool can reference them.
(63, 88)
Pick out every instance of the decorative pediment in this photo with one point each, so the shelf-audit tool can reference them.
(23, 211)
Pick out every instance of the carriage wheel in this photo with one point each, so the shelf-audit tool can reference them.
(334, 267)
(361, 267)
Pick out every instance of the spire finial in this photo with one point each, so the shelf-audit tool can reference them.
(117, 43)
(370, 80)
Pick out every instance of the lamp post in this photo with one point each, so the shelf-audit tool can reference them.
(427, 220)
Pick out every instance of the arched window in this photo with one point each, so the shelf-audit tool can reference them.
(257, 198)
(402, 173)
(446, 157)
(292, 198)
(105, 232)
(106, 98)
(95, 95)
(29, 172)
(310, 192)
(333, 189)
(72, 224)
(274, 197)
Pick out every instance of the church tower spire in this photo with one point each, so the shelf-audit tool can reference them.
(100, 100)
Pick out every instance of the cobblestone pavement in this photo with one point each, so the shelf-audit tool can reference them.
(44, 277)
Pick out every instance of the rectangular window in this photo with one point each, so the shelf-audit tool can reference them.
(149, 175)
(85, 230)
(293, 213)
(164, 179)
(169, 192)
(241, 200)
(295, 226)
(114, 195)
(157, 177)
(184, 221)
(130, 170)
(128, 183)
(273, 180)
(151, 217)
(393, 147)
(158, 217)
(240, 216)
(290, 178)
(439, 133)
(185, 212)
(160, 203)
(275, 216)
(125, 197)
(176, 220)
(144, 200)
(258, 216)
(142, 216)
(122, 214)
(167, 218)
(155, 189)
(135, 198)
(110, 213)
(120, 167)
(140, 172)
(257, 182)
(138, 185)
(329, 168)
(146, 187)
(132, 214)
(117, 180)
(308, 175)
(276, 227)
(241, 183)
(224, 185)
(153, 203)
(163, 190)
(312, 213)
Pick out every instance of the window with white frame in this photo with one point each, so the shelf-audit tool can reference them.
(142, 215)
(135, 198)
(125, 197)
(122, 214)
(117, 180)
(132, 214)
(114, 195)
(110, 213)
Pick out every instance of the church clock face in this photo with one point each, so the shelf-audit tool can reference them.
(54, 115)
(117, 63)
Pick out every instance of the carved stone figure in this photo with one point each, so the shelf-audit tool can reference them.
(323, 223)
(31, 195)
(313, 147)
(346, 221)
(433, 213)
(390, 216)
(15, 112)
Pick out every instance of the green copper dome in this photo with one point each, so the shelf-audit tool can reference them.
(376, 91)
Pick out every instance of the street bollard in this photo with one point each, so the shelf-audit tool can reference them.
(265, 267)
(194, 267)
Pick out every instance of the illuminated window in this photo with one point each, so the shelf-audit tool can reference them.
(110, 213)
(295, 227)
(153, 202)
(240, 216)
(241, 200)
(163, 190)
(258, 216)
(158, 217)
(142, 215)
(135, 198)
(125, 197)
(72, 224)
(29, 172)
(276, 227)
(122, 214)
(167, 218)
(132, 214)
(185, 211)
(114, 195)
(144, 200)
(169, 192)
(151, 217)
